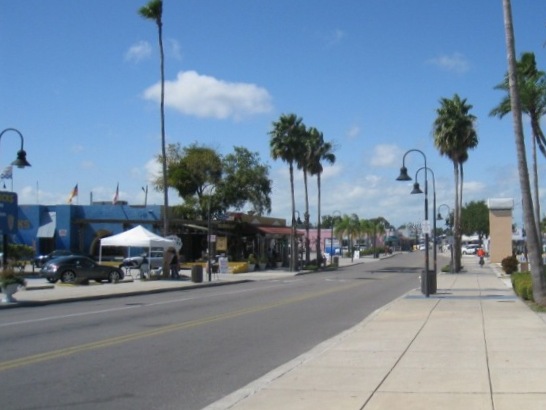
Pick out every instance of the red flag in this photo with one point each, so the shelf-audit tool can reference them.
(73, 194)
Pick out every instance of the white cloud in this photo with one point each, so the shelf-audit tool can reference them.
(455, 62)
(353, 132)
(153, 170)
(474, 187)
(385, 155)
(207, 97)
(138, 51)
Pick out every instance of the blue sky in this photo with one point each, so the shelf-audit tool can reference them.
(79, 80)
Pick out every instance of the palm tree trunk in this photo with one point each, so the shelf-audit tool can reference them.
(535, 183)
(163, 148)
(306, 219)
(293, 250)
(319, 253)
(456, 222)
(535, 254)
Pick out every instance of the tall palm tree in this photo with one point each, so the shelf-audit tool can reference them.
(303, 161)
(154, 11)
(454, 134)
(366, 229)
(533, 243)
(285, 144)
(532, 94)
(318, 151)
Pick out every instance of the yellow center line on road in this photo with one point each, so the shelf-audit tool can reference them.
(68, 351)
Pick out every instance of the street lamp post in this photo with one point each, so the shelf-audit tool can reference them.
(416, 190)
(332, 236)
(405, 177)
(209, 232)
(20, 162)
(439, 217)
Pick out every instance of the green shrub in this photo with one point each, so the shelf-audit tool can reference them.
(447, 268)
(509, 264)
(523, 285)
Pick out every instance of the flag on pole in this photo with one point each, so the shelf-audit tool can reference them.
(73, 194)
(116, 195)
(7, 173)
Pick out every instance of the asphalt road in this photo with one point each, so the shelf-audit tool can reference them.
(186, 349)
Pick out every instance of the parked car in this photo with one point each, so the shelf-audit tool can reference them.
(155, 260)
(41, 260)
(469, 249)
(68, 268)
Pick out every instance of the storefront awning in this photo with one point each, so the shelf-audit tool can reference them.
(276, 230)
(47, 229)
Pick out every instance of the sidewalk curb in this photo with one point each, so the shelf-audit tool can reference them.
(24, 304)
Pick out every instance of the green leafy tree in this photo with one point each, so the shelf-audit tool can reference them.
(194, 171)
(475, 219)
(154, 11)
(533, 240)
(455, 134)
(203, 178)
(286, 144)
(532, 94)
(246, 181)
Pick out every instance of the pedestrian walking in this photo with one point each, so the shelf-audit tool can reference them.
(173, 264)
(481, 255)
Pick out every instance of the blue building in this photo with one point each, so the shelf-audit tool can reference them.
(80, 227)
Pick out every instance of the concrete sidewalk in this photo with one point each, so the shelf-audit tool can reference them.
(473, 345)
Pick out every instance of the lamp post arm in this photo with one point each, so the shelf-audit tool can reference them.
(413, 150)
(15, 130)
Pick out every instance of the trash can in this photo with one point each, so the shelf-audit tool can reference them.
(432, 283)
(197, 273)
(336, 261)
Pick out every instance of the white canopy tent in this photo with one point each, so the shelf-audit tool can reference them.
(138, 237)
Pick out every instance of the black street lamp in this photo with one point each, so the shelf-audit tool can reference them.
(209, 232)
(405, 177)
(416, 190)
(20, 162)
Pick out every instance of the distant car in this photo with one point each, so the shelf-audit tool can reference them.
(68, 268)
(422, 247)
(41, 260)
(470, 249)
(155, 260)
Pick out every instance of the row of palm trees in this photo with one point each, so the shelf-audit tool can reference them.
(454, 135)
(304, 148)
(354, 229)
(516, 81)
